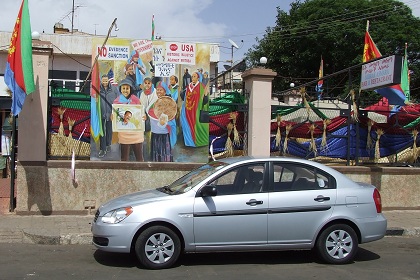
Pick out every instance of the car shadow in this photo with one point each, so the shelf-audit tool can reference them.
(364, 255)
(275, 257)
(116, 259)
(198, 259)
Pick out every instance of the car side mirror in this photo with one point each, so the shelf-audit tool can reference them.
(208, 190)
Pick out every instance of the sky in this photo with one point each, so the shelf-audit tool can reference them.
(215, 21)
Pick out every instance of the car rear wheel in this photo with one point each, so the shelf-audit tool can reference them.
(158, 247)
(337, 244)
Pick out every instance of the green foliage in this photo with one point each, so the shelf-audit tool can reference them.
(335, 29)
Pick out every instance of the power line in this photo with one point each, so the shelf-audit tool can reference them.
(69, 56)
(350, 17)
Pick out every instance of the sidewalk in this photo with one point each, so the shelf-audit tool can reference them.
(67, 230)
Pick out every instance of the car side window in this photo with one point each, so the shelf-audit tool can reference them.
(244, 179)
(254, 179)
(283, 177)
(296, 177)
(310, 178)
(225, 184)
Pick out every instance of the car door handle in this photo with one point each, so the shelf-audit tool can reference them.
(253, 202)
(321, 198)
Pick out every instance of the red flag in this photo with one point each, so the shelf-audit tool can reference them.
(95, 81)
(370, 50)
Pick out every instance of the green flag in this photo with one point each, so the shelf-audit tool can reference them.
(405, 76)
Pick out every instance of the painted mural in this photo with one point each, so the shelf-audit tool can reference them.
(150, 101)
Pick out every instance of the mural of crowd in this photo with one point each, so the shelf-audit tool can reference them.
(149, 101)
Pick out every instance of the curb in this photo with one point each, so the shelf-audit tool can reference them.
(69, 239)
(72, 239)
(86, 238)
(394, 231)
(397, 231)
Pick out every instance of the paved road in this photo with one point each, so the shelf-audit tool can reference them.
(389, 258)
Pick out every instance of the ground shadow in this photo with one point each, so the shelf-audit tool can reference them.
(199, 259)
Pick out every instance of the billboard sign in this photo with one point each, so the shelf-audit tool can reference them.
(381, 73)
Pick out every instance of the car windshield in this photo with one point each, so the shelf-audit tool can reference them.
(191, 179)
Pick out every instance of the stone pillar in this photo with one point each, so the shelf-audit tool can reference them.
(32, 133)
(258, 83)
(33, 193)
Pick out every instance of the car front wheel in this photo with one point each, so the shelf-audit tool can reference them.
(158, 247)
(337, 244)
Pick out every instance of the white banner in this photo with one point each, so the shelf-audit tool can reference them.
(158, 54)
(164, 69)
(180, 53)
(142, 46)
(113, 52)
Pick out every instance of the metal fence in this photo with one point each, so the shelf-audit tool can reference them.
(332, 131)
(68, 123)
(322, 130)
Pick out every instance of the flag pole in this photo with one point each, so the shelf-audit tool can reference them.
(97, 55)
(12, 166)
(153, 27)
(367, 25)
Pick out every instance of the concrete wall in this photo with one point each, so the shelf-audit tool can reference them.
(47, 188)
(399, 186)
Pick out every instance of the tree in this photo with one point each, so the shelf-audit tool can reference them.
(335, 29)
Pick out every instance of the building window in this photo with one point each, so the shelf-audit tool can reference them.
(62, 75)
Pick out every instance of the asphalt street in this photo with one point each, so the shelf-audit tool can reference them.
(389, 258)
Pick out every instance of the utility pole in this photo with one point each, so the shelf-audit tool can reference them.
(72, 18)
(233, 45)
(231, 70)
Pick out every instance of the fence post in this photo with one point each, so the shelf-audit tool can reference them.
(258, 83)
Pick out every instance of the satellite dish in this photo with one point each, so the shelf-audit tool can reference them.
(233, 44)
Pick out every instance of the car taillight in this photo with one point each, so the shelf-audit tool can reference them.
(378, 201)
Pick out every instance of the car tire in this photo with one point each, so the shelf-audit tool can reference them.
(158, 247)
(337, 244)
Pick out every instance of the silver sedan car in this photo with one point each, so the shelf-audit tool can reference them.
(244, 204)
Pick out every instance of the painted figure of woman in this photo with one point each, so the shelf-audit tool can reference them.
(129, 139)
(161, 149)
(195, 99)
(174, 93)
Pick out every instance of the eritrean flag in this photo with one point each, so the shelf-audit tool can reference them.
(19, 73)
(320, 75)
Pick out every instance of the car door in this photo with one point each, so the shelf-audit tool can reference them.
(237, 215)
(301, 199)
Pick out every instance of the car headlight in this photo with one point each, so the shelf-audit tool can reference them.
(117, 215)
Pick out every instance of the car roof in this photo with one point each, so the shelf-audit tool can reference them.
(262, 158)
(245, 159)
